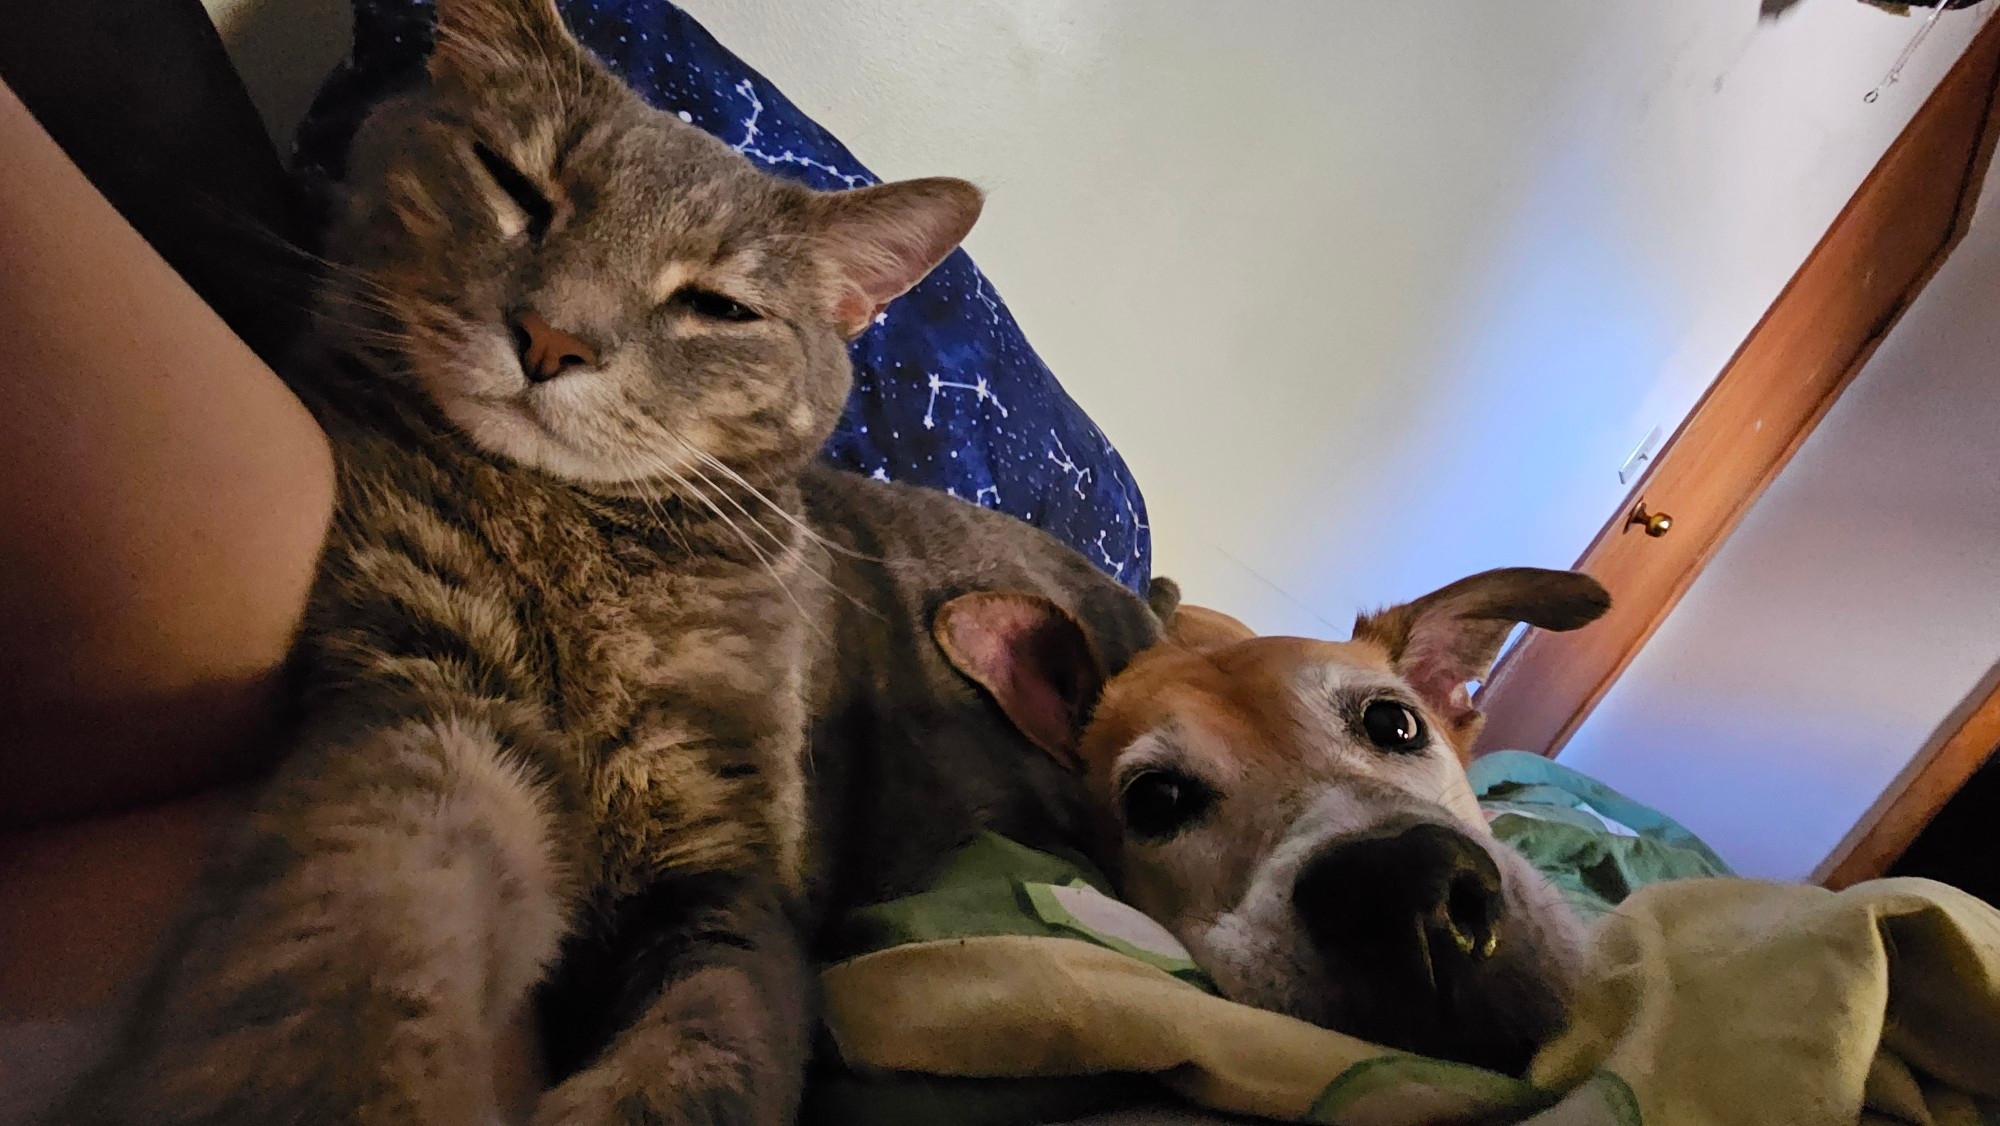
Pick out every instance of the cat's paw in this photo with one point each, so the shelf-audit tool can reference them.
(584, 1100)
(592, 1100)
(723, 1045)
(698, 1085)
(599, 1104)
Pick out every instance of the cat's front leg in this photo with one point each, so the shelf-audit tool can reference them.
(386, 912)
(724, 1002)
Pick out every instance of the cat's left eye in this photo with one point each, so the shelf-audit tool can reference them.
(530, 199)
(712, 305)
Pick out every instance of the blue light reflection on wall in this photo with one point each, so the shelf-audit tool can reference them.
(1510, 454)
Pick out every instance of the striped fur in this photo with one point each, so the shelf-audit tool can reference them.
(524, 707)
(553, 677)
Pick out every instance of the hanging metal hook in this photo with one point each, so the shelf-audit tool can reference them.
(1903, 60)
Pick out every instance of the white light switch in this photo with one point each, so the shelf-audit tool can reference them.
(1640, 457)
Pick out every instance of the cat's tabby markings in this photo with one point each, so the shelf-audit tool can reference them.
(552, 667)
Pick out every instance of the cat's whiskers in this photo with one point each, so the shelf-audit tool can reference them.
(361, 305)
(315, 267)
(263, 235)
(690, 490)
(349, 275)
(801, 526)
(660, 466)
(351, 300)
(355, 331)
(805, 567)
(654, 505)
(344, 297)
(777, 540)
(824, 578)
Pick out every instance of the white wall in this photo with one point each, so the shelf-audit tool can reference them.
(1856, 605)
(1372, 295)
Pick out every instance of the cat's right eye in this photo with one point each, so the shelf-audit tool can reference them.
(532, 201)
(712, 305)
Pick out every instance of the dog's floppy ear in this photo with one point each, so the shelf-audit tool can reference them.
(1451, 636)
(1192, 627)
(1031, 657)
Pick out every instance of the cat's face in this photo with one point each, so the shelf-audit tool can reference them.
(592, 287)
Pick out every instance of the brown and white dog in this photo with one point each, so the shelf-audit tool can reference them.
(1297, 812)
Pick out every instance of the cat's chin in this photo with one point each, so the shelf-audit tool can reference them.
(482, 390)
(510, 428)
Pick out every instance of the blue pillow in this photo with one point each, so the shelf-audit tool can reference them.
(947, 392)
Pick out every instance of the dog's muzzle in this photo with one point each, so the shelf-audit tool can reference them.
(1421, 901)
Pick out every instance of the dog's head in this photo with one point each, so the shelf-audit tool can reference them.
(1297, 811)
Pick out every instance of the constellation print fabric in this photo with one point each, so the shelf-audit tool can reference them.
(947, 392)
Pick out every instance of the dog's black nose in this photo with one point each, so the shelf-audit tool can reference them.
(1424, 899)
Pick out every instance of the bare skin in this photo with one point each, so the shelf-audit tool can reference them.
(164, 495)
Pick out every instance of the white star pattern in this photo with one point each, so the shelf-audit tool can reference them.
(985, 298)
(1117, 566)
(979, 387)
(1080, 472)
(747, 146)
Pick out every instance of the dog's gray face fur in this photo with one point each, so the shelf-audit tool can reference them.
(1297, 813)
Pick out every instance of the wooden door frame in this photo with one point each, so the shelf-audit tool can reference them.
(1881, 250)
(1959, 747)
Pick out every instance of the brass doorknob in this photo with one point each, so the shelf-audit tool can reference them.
(1656, 524)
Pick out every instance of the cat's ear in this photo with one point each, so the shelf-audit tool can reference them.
(883, 240)
(1031, 657)
(489, 38)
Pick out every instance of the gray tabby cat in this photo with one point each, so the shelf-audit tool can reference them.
(558, 670)
(909, 759)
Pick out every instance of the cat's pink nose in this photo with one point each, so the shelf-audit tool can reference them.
(547, 351)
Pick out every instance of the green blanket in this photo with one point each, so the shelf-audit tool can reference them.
(1016, 990)
(1595, 844)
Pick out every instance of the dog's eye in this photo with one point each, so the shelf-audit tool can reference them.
(1161, 803)
(526, 196)
(1393, 726)
(712, 305)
